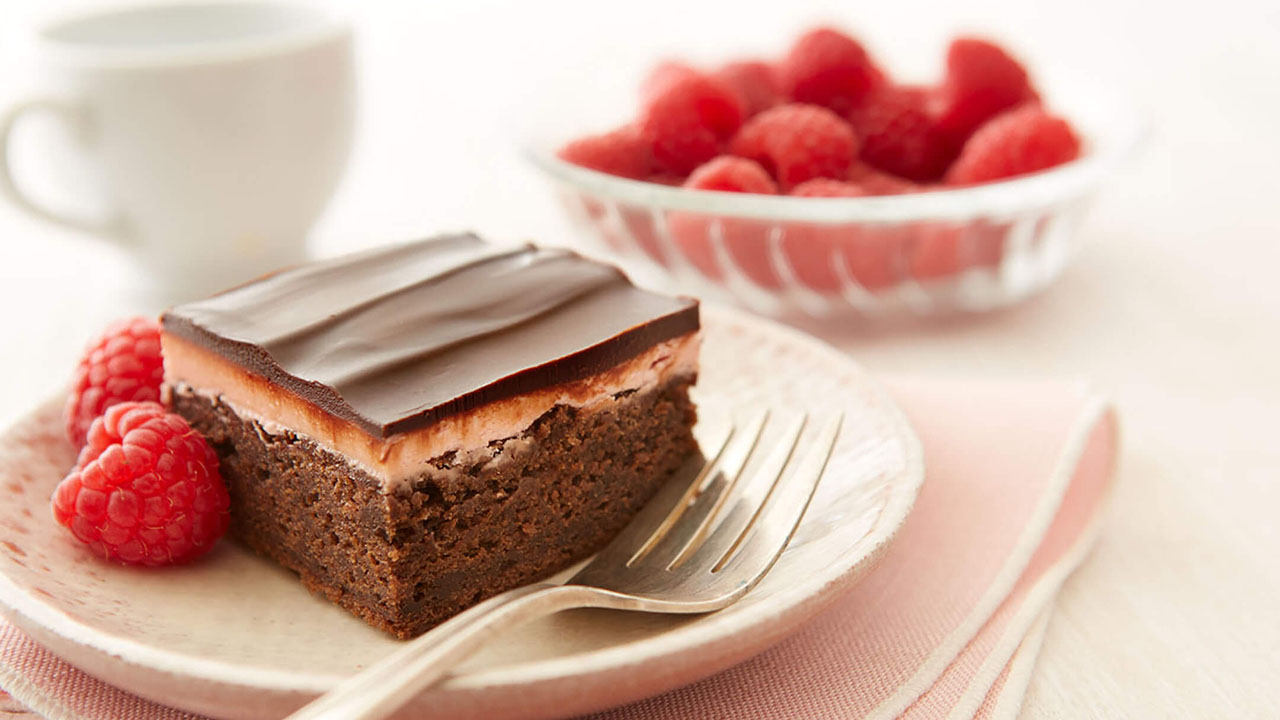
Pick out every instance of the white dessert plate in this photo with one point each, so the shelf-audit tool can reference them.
(235, 636)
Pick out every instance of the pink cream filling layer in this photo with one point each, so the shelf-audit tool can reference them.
(190, 368)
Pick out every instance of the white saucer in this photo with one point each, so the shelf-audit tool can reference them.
(235, 636)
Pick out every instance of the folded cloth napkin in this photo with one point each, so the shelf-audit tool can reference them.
(947, 625)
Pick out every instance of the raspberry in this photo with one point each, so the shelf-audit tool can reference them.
(745, 241)
(1018, 142)
(982, 81)
(146, 489)
(666, 179)
(820, 255)
(755, 83)
(639, 224)
(686, 118)
(622, 152)
(812, 250)
(936, 251)
(899, 135)
(878, 182)
(732, 174)
(946, 249)
(798, 142)
(829, 68)
(663, 76)
(828, 188)
(122, 364)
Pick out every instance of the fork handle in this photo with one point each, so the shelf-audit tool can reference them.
(385, 686)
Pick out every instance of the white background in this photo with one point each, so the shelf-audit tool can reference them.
(1173, 307)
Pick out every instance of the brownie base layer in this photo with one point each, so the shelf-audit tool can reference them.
(464, 529)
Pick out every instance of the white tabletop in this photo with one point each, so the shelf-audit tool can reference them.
(1172, 308)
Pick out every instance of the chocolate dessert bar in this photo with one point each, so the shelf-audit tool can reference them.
(415, 428)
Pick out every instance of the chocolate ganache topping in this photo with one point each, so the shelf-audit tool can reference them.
(396, 338)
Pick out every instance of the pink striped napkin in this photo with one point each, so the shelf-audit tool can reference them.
(948, 625)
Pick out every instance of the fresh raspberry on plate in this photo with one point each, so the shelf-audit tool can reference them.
(899, 135)
(146, 489)
(622, 152)
(982, 81)
(798, 142)
(754, 82)
(686, 118)
(1018, 142)
(122, 364)
(732, 174)
(826, 67)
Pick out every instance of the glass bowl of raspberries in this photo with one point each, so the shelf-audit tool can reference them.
(817, 185)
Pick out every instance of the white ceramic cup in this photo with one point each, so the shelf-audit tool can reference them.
(218, 132)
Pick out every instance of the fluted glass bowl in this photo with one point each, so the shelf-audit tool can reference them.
(967, 249)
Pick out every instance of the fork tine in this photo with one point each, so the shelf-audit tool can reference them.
(755, 482)
(659, 513)
(697, 490)
(708, 504)
(751, 551)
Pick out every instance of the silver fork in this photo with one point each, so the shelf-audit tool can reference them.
(697, 546)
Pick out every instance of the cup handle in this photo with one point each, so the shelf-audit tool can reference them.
(77, 117)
